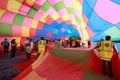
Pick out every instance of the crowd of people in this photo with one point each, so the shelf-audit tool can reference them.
(39, 45)
(104, 47)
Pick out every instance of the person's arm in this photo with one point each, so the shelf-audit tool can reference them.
(98, 45)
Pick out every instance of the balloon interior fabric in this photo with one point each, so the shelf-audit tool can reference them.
(103, 19)
(57, 19)
(51, 19)
(68, 64)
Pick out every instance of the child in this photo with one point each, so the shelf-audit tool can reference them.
(28, 51)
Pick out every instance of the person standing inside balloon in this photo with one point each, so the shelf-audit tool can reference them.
(107, 48)
(41, 46)
(13, 48)
(28, 51)
(89, 43)
(5, 44)
(27, 41)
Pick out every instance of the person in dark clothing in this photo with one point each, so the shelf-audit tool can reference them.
(13, 48)
(28, 51)
(89, 43)
(5, 45)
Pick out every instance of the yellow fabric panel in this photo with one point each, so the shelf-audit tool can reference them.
(73, 21)
(13, 5)
(66, 17)
(25, 31)
(83, 24)
(44, 17)
(17, 40)
(77, 5)
(40, 59)
(34, 23)
(85, 34)
(33, 76)
(20, 1)
(30, 2)
(55, 16)
(2, 12)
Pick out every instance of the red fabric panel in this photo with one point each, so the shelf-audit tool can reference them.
(37, 5)
(116, 66)
(49, 20)
(18, 48)
(49, 35)
(28, 3)
(32, 32)
(94, 63)
(54, 68)
(3, 4)
(40, 25)
(1, 49)
(23, 39)
(68, 22)
(24, 73)
(91, 34)
(59, 20)
(74, 26)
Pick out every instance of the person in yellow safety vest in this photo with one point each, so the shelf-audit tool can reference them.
(41, 46)
(98, 49)
(107, 48)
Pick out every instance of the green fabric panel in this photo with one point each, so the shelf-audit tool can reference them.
(113, 32)
(69, 31)
(45, 6)
(18, 20)
(5, 29)
(76, 56)
(70, 10)
(58, 6)
(55, 31)
(78, 19)
(92, 75)
(32, 12)
(35, 8)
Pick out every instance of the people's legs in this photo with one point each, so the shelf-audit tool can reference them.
(13, 52)
(4, 49)
(12, 55)
(29, 55)
(104, 67)
(7, 48)
(110, 68)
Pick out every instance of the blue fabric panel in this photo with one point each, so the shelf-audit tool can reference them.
(86, 9)
(64, 25)
(48, 28)
(40, 33)
(55, 36)
(117, 44)
(97, 24)
(116, 1)
(61, 25)
(98, 37)
(54, 24)
(91, 3)
(118, 25)
(73, 30)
